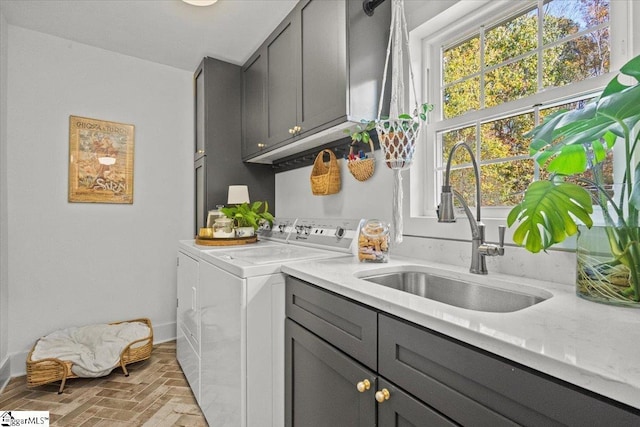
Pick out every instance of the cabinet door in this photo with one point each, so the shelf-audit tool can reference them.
(281, 82)
(402, 410)
(188, 306)
(199, 123)
(200, 176)
(322, 96)
(254, 127)
(321, 384)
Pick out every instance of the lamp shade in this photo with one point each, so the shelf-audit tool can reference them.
(200, 2)
(238, 194)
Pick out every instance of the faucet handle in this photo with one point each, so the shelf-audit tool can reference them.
(501, 231)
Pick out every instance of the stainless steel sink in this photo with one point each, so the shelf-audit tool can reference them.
(459, 293)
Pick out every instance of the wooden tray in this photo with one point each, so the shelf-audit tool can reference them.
(228, 241)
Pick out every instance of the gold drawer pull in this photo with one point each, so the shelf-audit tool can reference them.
(363, 386)
(382, 395)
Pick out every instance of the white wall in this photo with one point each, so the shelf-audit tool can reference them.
(81, 263)
(4, 281)
(373, 198)
(356, 199)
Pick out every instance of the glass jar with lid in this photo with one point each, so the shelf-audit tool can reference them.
(212, 215)
(373, 241)
(223, 228)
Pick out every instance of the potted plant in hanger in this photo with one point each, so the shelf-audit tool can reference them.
(248, 217)
(397, 136)
(567, 144)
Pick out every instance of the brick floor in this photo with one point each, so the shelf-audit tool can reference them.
(155, 394)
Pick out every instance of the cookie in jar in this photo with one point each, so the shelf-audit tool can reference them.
(373, 242)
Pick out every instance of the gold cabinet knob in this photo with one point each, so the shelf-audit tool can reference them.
(382, 395)
(292, 131)
(297, 129)
(363, 385)
(261, 145)
(200, 151)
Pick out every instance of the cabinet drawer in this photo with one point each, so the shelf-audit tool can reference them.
(347, 325)
(476, 388)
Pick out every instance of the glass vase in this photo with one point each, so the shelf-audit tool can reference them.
(608, 265)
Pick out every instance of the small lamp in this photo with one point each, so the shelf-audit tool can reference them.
(238, 194)
(200, 2)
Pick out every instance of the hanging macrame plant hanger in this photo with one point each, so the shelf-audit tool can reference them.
(398, 133)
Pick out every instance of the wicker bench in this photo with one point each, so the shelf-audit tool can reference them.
(45, 371)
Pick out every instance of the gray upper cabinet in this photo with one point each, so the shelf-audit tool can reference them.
(254, 113)
(322, 97)
(281, 79)
(320, 68)
(217, 160)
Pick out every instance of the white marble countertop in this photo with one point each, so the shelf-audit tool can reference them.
(591, 345)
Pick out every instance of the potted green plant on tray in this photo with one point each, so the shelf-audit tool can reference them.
(567, 144)
(247, 217)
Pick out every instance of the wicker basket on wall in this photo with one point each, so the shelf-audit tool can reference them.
(325, 176)
(362, 169)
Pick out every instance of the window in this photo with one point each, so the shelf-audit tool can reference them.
(493, 75)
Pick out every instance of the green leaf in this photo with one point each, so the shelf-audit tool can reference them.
(573, 160)
(622, 105)
(404, 116)
(546, 214)
(634, 199)
(632, 68)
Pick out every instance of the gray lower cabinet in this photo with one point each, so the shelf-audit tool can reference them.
(429, 378)
(322, 384)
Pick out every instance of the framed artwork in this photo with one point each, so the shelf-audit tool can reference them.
(100, 161)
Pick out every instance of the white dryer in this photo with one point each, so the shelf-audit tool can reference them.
(242, 313)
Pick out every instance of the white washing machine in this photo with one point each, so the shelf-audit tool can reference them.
(242, 300)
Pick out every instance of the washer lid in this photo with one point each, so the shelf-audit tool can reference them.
(271, 254)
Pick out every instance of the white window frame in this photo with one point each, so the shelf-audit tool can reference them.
(463, 19)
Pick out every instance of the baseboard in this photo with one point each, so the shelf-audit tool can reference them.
(5, 373)
(164, 332)
(18, 363)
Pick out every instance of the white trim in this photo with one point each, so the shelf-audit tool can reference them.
(5, 373)
(420, 217)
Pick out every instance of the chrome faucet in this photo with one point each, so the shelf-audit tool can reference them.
(479, 248)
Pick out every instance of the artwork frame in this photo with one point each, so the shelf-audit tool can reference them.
(100, 161)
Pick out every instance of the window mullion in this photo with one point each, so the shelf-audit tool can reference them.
(539, 46)
(482, 66)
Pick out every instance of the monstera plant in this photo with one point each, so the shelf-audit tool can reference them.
(567, 144)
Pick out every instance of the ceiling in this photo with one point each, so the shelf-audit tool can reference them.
(168, 32)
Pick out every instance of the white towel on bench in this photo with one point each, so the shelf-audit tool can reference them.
(94, 350)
